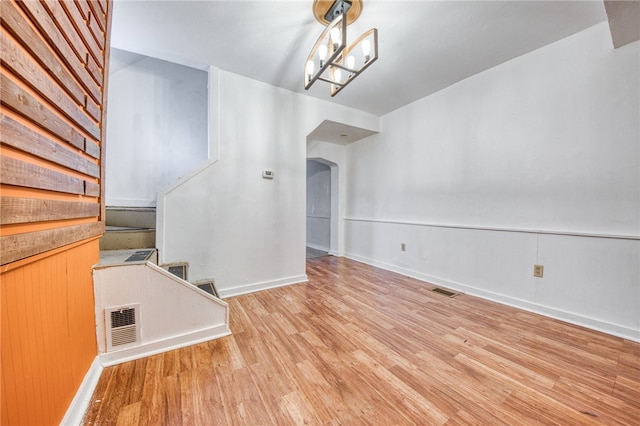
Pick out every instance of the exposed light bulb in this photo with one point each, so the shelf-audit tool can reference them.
(351, 62)
(322, 53)
(366, 50)
(337, 74)
(310, 67)
(335, 37)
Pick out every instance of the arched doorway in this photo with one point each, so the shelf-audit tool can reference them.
(322, 206)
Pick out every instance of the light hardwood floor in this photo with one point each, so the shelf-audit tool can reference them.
(360, 345)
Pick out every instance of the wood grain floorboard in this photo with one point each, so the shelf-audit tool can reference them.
(360, 345)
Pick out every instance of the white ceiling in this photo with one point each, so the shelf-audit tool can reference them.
(424, 46)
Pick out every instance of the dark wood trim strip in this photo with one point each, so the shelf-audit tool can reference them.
(91, 189)
(94, 69)
(20, 173)
(22, 102)
(92, 108)
(95, 29)
(62, 47)
(15, 24)
(100, 9)
(83, 7)
(13, 133)
(27, 210)
(20, 246)
(92, 149)
(59, 17)
(82, 29)
(23, 66)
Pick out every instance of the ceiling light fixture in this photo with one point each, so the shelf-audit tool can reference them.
(352, 59)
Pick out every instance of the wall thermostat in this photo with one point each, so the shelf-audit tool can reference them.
(267, 174)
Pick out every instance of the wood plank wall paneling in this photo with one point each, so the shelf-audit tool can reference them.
(53, 68)
(29, 39)
(25, 210)
(48, 342)
(52, 80)
(21, 137)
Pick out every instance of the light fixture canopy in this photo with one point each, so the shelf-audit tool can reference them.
(326, 10)
(344, 62)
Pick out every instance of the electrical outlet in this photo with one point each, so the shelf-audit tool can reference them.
(538, 271)
(403, 247)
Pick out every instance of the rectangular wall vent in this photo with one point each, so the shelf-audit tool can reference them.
(123, 326)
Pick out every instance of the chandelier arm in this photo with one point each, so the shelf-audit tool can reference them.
(338, 65)
(337, 83)
(335, 90)
(357, 41)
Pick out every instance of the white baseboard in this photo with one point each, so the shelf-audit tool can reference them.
(264, 285)
(131, 202)
(576, 319)
(152, 348)
(81, 401)
(318, 247)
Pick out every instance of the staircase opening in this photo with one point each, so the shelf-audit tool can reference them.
(129, 228)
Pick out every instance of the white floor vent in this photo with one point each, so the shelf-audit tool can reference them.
(123, 326)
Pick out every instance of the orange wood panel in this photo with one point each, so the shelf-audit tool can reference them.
(48, 334)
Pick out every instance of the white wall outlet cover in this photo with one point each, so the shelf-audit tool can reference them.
(267, 174)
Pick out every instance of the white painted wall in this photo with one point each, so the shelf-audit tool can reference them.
(156, 128)
(507, 169)
(318, 205)
(230, 224)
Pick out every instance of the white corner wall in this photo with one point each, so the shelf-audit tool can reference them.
(535, 161)
(156, 128)
(230, 224)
